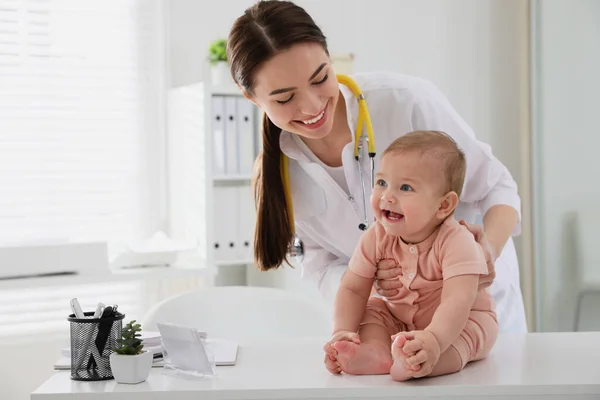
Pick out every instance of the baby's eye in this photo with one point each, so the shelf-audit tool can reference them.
(405, 188)
(381, 182)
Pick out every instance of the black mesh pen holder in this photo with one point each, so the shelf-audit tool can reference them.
(92, 342)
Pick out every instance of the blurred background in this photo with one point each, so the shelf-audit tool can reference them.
(111, 184)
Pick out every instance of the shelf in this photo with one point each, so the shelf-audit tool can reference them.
(110, 276)
(228, 90)
(222, 263)
(232, 178)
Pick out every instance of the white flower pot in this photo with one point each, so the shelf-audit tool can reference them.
(219, 74)
(131, 369)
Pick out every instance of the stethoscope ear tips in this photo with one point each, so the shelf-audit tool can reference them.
(362, 226)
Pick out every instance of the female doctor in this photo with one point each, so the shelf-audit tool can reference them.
(308, 183)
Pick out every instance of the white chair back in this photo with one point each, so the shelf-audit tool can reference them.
(244, 313)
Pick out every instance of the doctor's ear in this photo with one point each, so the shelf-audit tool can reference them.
(447, 205)
(248, 96)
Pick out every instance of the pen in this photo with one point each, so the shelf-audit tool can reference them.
(104, 328)
(78, 312)
(98, 311)
(76, 308)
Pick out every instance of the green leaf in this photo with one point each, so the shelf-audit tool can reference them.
(129, 342)
(217, 51)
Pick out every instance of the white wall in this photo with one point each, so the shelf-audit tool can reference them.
(567, 143)
(470, 48)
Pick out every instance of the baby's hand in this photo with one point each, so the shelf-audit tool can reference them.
(331, 362)
(424, 350)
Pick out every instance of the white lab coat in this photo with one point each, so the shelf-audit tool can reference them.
(327, 218)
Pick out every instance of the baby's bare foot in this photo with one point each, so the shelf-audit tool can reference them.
(400, 370)
(363, 359)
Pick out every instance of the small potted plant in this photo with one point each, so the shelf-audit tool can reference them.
(129, 362)
(219, 66)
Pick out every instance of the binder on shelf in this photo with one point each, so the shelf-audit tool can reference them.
(218, 135)
(231, 136)
(246, 135)
(247, 219)
(225, 223)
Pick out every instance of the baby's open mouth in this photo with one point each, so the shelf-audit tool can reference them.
(392, 216)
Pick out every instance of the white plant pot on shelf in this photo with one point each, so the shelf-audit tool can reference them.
(219, 74)
(131, 369)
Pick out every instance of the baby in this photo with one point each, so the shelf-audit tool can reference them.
(443, 316)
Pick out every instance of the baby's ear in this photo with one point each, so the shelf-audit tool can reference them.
(447, 205)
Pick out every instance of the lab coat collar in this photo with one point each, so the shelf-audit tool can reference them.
(290, 148)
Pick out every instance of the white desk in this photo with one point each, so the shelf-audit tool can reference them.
(533, 366)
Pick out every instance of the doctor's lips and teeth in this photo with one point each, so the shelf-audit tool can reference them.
(317, 121)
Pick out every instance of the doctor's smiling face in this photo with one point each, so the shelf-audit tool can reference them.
(298, 90)
(413, 191)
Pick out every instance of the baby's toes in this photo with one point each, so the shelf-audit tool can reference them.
(332, 366)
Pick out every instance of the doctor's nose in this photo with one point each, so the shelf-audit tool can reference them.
(311, 106)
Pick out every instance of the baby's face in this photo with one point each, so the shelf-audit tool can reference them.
(407, 194)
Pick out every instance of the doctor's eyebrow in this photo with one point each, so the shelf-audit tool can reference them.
(288, 89)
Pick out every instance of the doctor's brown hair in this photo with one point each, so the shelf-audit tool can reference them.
(264, 30)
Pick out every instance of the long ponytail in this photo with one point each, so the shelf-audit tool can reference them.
(273, 232)
(263, 31)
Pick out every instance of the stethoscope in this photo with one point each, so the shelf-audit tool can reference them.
(296, 247)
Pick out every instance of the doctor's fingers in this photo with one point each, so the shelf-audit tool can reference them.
(480, 237)
(475, 229)
(386, 264)
(388, 273)
(387, 293)
(388, 284)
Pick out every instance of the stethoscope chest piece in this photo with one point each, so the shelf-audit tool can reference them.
(296, 250)
(296, 247)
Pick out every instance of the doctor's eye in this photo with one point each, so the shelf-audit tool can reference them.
(322, 80)
(406, 188)
(285, 101)
(381, 182)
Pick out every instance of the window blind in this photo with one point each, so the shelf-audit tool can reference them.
(27, 313)
(78, 118)
(80, 130)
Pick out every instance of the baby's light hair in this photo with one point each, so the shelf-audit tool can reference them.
(437, 144)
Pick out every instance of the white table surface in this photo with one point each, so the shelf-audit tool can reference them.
(536, 365)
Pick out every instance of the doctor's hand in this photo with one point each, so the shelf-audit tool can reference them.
(479, 234)
(386, 278)
(490, 257)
